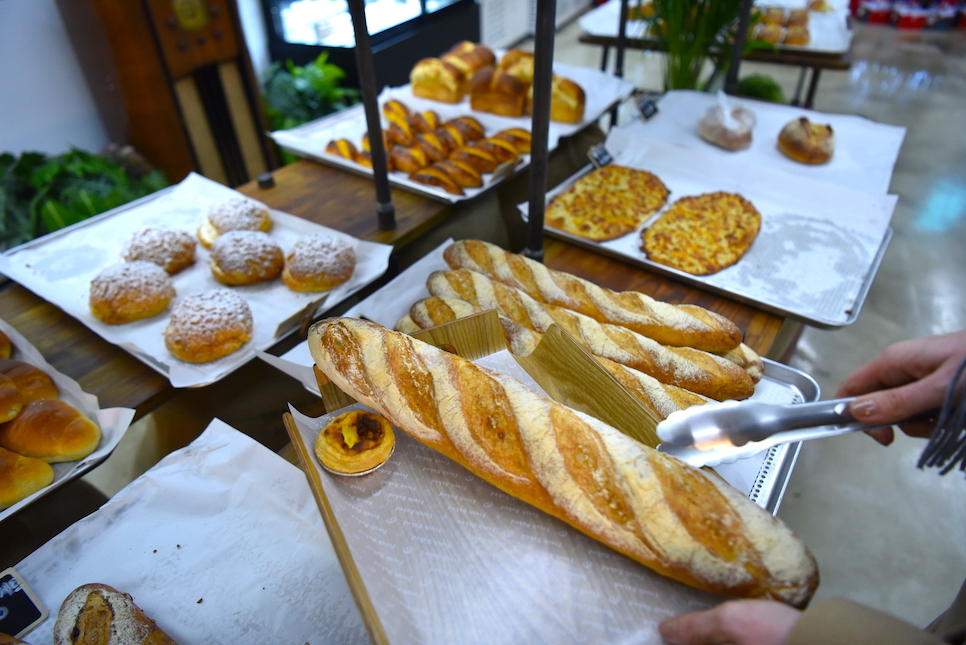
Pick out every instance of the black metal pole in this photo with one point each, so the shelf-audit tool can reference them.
(540, 127)
(370, 93)
(619, 58)
(738, 50)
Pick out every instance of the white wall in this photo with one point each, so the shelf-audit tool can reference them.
(45, 104)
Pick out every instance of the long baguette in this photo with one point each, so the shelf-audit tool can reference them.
(661, 399)
(668, 324)
(680, 521)
(685, 367)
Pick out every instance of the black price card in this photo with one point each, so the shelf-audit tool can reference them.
(599, 156)
(646, 104)
(20, 609)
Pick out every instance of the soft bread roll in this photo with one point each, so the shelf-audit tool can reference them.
(497, 92)
(234, 214)
(96, 614)
(437, 80)
(6, 347)
(470, 127)
(52, 430)
(129, 291)
(170, 250)
(318, 263)
(680, 521)
(807, 142)
(32, 382)
(246, 257)
(342, 148)
(679, 325)
(208, 325)
(438, 178)
(408, 160)
(11, 400)
(477, 158)
(427, 121)
(518, 137)
(461, 172)
(21, 477)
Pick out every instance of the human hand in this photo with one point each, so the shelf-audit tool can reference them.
(906, 379)
(737, 622)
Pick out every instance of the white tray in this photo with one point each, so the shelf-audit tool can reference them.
(59, 267)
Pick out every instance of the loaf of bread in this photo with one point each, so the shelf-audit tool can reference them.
(676, 325)
(519, 63)
(567, 100)
(659, 398)
(52, 430)
(686, 367)
(807, 142)
(21, 477)
(96, 614)
(468, 57)
(680, 521)
(498, 93)
(437, 80)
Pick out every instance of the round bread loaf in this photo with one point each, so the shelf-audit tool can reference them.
(245, 257)
(318, 263)
(234, 214)
(21, 477)
(32, 382)
(94, 614)
(130, 291)
(11, 400)
(173, 251)
(807, 142)
(52, 430)
(208, 325)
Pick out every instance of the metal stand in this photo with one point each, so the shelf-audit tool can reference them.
(385, 211)
(619, 58)
(542, 86)
(738, 48)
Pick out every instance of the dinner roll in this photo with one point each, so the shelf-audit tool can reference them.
(11, 400)
(245, 257)
(52, 430)
(32, 382)
(234, 214)
(130, 291)
(208, 325)
(21, 477)
(318, 263)
(170, 250)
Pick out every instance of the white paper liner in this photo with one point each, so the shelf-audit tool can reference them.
(60, 266)
(113, 422)
(219, 542)
(602, 91)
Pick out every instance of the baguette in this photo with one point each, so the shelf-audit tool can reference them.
(680, 521)
(659, 398)
(676, 325)
(686, 367)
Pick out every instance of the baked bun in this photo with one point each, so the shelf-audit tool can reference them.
(497, 92)
(807, 142)
(478, 158)
(567, 100)
(432, 78)
(438, 178)
(770, 33)
(234, 214)
(6, 347)
(731, 133)
(11, 400)
(797, 36)
(32, 382)
(408, 160)
(130, 291)
(318, 263)
(470, 127)
(245, 257)
(96, 614)
(396, 110)
(21, 477)
(208, 325)
(501, 150)
(773, 16)
(342, 148)
(434, 147)
(355, 442)
(400, 134)
(519, 137)
(797, 18)
(170, 250)
(461, 172)
(426, 121)
(452, 135)
(386, 143)
(52, 430)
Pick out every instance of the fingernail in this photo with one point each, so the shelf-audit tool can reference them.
(863, 409)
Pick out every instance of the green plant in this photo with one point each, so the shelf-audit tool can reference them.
(41, 194)
(761, 86)
(296, 94)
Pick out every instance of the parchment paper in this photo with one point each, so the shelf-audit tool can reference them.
(60, 266)
(220, 542)
(113, 422)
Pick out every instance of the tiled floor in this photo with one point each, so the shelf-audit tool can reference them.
(883, 532)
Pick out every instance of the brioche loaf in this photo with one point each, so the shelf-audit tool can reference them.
(96, 614)
(21, 477)
(437, 80)
(677, 325)
(567, 100)
(468, 57)
(52, 430)
(519, 63)
(686, 367)
(497, 92)
(680, 521)
(32, 382)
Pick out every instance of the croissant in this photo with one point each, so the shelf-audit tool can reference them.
(682, 522)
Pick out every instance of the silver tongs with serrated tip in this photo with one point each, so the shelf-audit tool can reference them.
(707, 435)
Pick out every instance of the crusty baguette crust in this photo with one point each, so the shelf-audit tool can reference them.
(94, 613)
(659, 398)
(686, 367)
(676, 325)
(680, 521)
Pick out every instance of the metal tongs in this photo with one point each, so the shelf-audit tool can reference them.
(708, 435)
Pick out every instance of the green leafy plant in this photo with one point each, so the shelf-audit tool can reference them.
(41, 194)
(295, 94)
(761, 86)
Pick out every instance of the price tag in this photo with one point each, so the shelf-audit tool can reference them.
(646, 104)
(20, 609)
(599, 156)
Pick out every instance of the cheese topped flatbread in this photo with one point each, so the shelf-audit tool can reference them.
(607, 203)
(704, 234)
